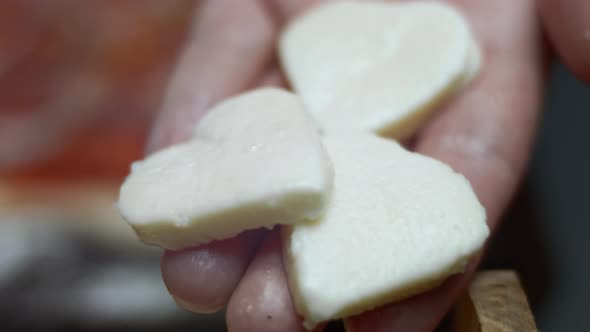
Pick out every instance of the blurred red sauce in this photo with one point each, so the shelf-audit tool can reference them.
(80, 82)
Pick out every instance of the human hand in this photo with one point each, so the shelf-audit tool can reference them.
(485, 133)
(568, 29)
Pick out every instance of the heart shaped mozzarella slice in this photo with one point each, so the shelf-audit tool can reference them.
(380, 67)
(256, 160)
(398, 224)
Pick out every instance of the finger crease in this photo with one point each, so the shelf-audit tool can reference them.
(476, 150)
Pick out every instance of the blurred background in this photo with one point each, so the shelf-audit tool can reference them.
(80, 83)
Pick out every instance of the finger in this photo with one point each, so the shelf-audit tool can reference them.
(229, 44)
(262, 301)
(286, 9)
(186, 269)
(272, 78)
(568, 28)
(485, 134)
(202, 279)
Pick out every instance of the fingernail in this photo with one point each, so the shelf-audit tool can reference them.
(194, 308)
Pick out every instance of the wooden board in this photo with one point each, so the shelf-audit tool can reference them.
(494, 302)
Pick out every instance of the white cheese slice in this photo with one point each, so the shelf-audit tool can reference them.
(398, 224)
(376, 66)
(255, 160)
